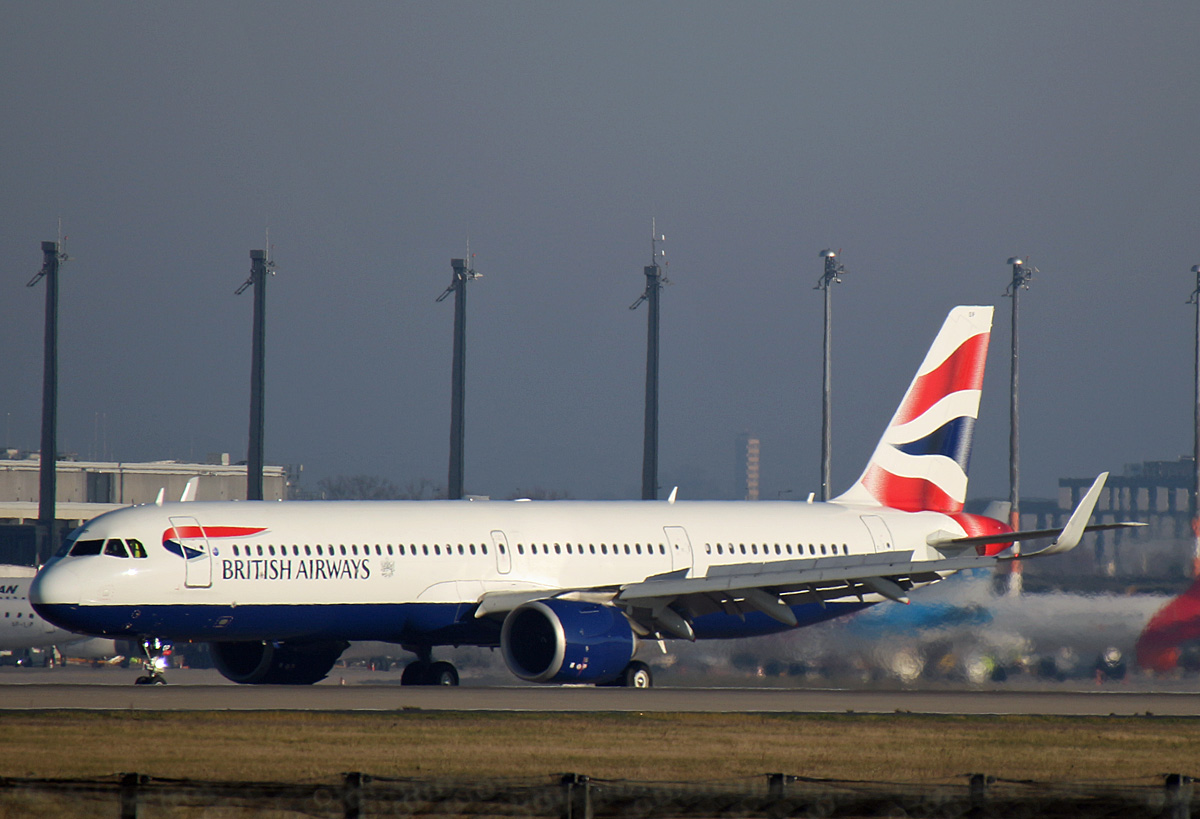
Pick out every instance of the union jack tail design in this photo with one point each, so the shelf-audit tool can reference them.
(921, 460)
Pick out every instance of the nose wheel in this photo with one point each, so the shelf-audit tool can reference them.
(156, 658)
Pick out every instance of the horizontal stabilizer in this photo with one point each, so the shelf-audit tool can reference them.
(943, 539)
(1066, 538)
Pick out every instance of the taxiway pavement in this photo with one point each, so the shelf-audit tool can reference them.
(112, 689)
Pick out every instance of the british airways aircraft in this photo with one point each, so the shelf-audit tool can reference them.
(566, 589)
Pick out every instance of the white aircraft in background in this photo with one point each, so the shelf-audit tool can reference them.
(22, 629)
(566, 589)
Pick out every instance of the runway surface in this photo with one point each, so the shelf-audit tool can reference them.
(200, 690)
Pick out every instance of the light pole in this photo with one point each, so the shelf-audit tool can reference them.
(47, 534)
(463, 273)
(1022, 275)
(260, 266)
(832, 275)
(655, 278)
(1195, 299)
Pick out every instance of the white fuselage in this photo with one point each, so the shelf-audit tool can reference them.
(393, 569)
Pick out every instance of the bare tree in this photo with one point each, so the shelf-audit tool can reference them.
(357, 487)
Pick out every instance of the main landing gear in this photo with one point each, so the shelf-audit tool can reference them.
(424, 671)
(635, 675)
(157, 657)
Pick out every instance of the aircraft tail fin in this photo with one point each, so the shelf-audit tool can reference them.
(921, 461)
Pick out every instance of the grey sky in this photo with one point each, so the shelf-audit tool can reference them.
(928, 141)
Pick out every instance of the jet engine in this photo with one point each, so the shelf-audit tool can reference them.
(270, 663)
(564, 641)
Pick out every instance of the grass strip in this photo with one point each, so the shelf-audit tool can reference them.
(303, 746)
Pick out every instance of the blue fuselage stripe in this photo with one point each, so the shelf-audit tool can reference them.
(408, 623)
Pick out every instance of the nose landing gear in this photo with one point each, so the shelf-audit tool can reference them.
(157, 657)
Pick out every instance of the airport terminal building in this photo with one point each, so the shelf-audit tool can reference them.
(86, 489)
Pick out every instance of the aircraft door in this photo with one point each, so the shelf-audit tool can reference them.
(503, 555)
(680, 547)
(197, 557)
(880, 533)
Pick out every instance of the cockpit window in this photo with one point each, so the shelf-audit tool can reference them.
(136, 548)
(87, 547)
(115, 548)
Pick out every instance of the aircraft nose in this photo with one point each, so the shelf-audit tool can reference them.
(55, 593)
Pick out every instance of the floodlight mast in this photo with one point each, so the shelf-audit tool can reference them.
(1195, 299)
(832, 275)
(462, 274)
(260, 267)
(655, 279)
(1022, 275)
(47, 525)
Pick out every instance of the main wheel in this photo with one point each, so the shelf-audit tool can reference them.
(415, 673)
(637, 675)
(442, 674)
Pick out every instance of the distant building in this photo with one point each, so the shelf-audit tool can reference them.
(1158, 493)
(85, 489)
(746, 454)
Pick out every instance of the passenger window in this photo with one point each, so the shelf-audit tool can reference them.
(520, 549)
(472, 549)
(87, 547)
(115, 548)
(136, 548)
(484, 548)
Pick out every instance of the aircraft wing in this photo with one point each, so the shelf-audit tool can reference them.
(667, 603)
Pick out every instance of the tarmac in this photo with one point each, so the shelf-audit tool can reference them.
(356, 689)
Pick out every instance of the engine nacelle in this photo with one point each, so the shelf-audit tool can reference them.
(557, 641)
(267, 663)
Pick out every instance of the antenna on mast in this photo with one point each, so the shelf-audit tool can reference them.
(656, 256)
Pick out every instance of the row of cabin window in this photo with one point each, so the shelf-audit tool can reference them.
(333, 551)
(779, 550)
(320, 551)
(591, 549)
